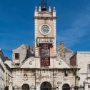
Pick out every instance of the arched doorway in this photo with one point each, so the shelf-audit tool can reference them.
(25, 87)
(46, 86)
(65, 87)
(6, 88)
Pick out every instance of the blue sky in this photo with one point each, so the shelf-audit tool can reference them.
(17, 24)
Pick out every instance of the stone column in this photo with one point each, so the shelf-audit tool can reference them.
(85, 85)
(10, 85)
(37, 85)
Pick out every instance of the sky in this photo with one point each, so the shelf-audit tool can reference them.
(17, 24)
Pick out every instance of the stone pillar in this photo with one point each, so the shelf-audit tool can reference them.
(37, 85)
(10, 85)
(85, 85)
(59, 87)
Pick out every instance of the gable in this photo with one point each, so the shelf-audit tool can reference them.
(61, 64)
(28, 63)
(20, 47)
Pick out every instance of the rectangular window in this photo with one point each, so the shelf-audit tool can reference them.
(88, 68)
(17, 64)
(16, 55)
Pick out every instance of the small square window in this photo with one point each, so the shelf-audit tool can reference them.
(17, 64)
(16, 55)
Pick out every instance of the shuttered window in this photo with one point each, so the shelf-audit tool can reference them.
(16, 55)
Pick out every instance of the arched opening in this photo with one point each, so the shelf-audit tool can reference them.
(25, 87)
(46, 86)
(6, 88)
(65, 87)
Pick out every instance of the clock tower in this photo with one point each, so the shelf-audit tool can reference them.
(45, 33)
(42, 67)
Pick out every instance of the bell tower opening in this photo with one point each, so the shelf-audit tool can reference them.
(44, 5)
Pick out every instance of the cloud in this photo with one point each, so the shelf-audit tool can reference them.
(78, 30)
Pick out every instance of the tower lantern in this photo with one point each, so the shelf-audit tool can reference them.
(44, 5)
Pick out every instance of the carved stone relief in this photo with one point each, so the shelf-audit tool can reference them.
(25, 77)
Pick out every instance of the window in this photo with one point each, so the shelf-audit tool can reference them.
(88, 68)
(16, 55)
(17, 64)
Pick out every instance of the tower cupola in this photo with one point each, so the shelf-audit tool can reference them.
(44, 5)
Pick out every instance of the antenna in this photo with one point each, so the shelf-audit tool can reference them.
(44, 5)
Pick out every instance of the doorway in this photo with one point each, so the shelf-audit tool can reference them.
(46, 86)
(65, 87)
(25, 87)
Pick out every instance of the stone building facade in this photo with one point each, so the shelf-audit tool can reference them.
(5, 72)
(82, 60)
(44, 65)
(2, 70)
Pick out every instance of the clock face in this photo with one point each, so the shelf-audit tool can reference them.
(45, 29)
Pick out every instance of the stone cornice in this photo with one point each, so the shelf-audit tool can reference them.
(45, 18)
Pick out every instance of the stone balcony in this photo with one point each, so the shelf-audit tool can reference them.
(45, 40)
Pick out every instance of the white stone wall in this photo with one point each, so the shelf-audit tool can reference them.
(36, 78)
(54, 42)
(1, 74)
(2, 63)
(1, 78)
(8, 75)
(83, 59)
(19, 79)
(36, 33)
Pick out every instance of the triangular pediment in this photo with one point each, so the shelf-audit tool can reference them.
(28, 63)
(63, 64)
(59, 63)
(20, 47)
